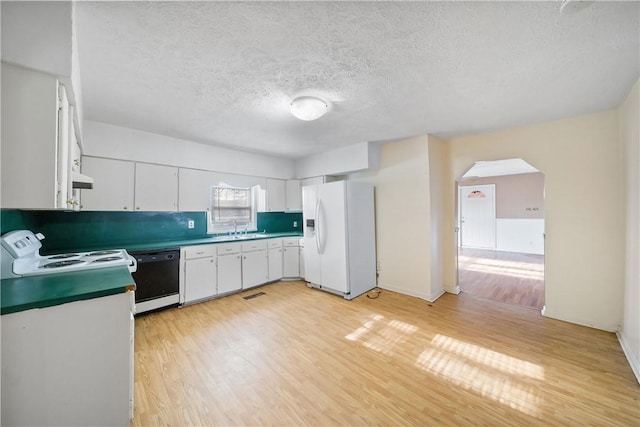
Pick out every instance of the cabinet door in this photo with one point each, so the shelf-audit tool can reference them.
(291, 261)
(255, 270)
(195, 190)
(200, 278)
(275, 264)
(156, 188)
(276, 194)
(294, 195)
(229, 273)
(28, 170)
(112, 187)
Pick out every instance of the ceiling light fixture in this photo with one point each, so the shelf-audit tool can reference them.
(308, 108)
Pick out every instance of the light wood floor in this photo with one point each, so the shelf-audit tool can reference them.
(508, 277)
(298, 356)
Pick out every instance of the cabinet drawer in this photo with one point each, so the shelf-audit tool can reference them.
(274, 243)
(291, 241)
(199, 251)
(228, 248)
(254, 245)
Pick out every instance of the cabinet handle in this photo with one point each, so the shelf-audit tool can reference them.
(199, 253)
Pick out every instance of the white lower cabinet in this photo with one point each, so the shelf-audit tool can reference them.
(200, 273)
(255, 268)
(69, 364)
(229, 268)
(275, 264)
(291, 257)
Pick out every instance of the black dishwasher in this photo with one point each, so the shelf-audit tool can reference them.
(157, 279)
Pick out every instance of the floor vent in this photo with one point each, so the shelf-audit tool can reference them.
(254, 295)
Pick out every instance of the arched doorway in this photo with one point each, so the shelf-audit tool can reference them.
(500, 241)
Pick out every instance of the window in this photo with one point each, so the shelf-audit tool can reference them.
(232, 209)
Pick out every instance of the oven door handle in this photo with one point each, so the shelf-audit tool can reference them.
(133, 264)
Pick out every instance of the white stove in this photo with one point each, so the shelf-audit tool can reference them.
(21, 257)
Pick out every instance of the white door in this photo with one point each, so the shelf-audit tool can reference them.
(113, 188)
(200, 278)
(229, 273)
(332, 236)
(291, 261)
(275, 264)
(255, 269)
(478, 216)
(156, 188)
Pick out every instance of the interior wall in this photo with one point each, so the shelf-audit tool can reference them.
(519, 211)
(580, 158)
(116, 142)
(439, 201)
(348, 159)
(517, 196)
(403, 216)
(629, 334)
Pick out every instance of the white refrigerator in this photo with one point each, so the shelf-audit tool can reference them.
(339, 237)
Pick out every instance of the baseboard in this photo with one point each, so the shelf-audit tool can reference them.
(631, 358)
(547, 312)
(435, 295)
(405, 292)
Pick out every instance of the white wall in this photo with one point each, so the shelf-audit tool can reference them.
(115, 142)
(629, 334)
(352, 158)
(439, 201)
(580, 158)
(403, 216)
(38, 35)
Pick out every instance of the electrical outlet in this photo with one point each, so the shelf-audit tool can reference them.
(295, 224)
(191, 224)
(378, 266)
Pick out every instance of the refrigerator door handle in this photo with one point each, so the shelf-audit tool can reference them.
(317, 232)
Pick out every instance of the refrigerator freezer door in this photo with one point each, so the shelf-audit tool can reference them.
(331, 229)
(311, 254)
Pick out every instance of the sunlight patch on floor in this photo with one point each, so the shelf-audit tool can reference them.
(490, 374)
(524, 270)
(381, 335)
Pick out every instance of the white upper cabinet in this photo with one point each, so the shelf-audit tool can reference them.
(156, 188)
(112, 187)
(29, 138)
(294, 195)
(194, 189)
(276, 195)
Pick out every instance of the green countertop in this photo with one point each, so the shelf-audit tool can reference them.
(26, 293)
(142, 246)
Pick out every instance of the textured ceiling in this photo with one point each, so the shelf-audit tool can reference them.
(224, 73)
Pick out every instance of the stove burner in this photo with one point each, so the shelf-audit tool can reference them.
(102, 253)
(107, 259)
(63, 256)
(62, 263)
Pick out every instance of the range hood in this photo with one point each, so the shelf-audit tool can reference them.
(81, 181)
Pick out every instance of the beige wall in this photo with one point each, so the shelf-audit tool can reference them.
(517, 196)
(440, 199)
(403, 216)
(580, 158)
(630, 140)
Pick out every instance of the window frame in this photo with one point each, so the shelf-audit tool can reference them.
(229, 226)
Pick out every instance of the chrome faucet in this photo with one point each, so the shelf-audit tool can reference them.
(235, 227)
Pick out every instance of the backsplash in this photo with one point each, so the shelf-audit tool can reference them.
(66, 231)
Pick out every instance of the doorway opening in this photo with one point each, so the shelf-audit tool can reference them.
(500, 239)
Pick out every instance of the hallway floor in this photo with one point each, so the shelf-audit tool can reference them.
(509, 277)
